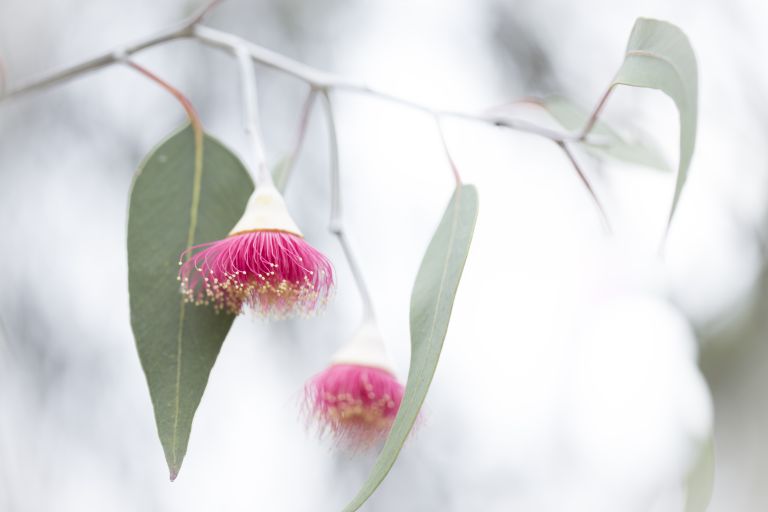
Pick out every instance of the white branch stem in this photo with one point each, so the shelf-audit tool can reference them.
(251, 115)
(336, 226)
(104, 60)
(323, 80)
(316, 78)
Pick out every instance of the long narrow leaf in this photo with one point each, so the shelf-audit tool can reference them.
(431, 304)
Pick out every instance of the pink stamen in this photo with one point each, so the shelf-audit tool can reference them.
(277, 274)
(355, 404)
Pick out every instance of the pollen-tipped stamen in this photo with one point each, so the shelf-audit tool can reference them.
(264, 263)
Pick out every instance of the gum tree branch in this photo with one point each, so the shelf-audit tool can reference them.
(315, 78)
(323, 80)
(318, 80)
(184, 29)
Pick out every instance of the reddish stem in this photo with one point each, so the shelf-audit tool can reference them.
(587, 184)
(191, 112)
(455, 169)
(595, 114)
(204, 12)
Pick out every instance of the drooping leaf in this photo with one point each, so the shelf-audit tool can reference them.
(431, 304)
(659, 56)
(178, 200)
(572, 117)
(701, 480)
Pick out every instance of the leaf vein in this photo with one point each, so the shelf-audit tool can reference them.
(193, 214)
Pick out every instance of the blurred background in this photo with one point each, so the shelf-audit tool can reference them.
(581, 371)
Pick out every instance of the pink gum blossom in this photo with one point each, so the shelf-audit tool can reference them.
(278, 274)
(355, 404)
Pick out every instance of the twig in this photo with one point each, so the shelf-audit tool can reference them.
(316, 78)
(251, 115)
(230, 42)
(336, 225)
(188, 107)
(595, 114)
(306, 111)
(203, 12)
(586, 183)
(182, 30)
(323, 81)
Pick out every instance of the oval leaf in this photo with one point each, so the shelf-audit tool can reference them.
(431, 304)
(572, 117)
(179, 198)
(659, 56)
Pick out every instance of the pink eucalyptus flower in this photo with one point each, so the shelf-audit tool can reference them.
(357, 397)
(264, 263)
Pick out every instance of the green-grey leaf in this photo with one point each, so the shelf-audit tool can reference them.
(174, 204)
(659, 56)
(431, 304)
(701, 480)
(572, 117)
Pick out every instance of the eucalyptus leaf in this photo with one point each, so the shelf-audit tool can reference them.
(572, 117)
(431, 304)
(181, 196)
(659, 56)
(701, 480)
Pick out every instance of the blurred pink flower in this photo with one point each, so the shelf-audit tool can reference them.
(357, 397)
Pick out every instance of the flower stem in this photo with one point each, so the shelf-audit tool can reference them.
(593, 117)
(251, 116)
(194, 118)
(455, 169)
(576, 167)
(336, 225)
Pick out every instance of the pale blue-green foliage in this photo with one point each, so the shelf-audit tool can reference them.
(659, 56)
(178, 342)
(431, 304)
(608, 142)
